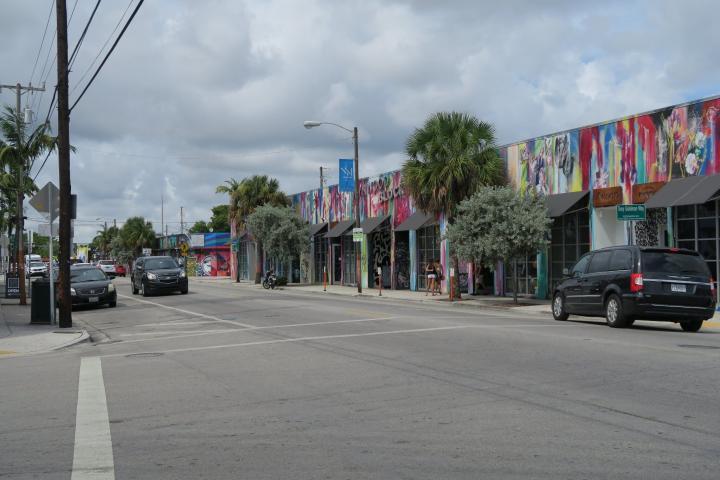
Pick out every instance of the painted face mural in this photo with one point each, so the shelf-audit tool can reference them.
(670, 143)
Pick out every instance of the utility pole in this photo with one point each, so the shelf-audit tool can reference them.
(105, 235)
(65, 320)
(162, 213)
(115, 223)
(20, 192)
(356, 198)
(182, 225)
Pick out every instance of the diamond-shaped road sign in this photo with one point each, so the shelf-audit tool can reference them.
(48, 196)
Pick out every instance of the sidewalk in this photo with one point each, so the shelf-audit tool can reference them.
(19, 337)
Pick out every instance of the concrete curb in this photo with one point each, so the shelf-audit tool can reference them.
(84, 337)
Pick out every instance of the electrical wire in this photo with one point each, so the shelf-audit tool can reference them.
(42, 42)
(82, 36)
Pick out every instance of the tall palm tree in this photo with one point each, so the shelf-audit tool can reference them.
(246, 196)
(104, 238)
(19, 150)
(137, 234)
(448, 159)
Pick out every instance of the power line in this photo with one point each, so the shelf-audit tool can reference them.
(82, 77)
(42, 42)
(82, 36)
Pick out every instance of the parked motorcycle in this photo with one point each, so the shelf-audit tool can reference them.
(269, 281)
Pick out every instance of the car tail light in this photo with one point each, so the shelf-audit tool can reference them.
(636, 282)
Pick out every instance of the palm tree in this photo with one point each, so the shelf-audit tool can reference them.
(137, 234)
(449, 158)
(246, 196)
(18, 152)
(104, 238)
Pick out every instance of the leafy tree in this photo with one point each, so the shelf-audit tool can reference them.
(450, 157)
(102, 241)
(245, 197)
(499, 224)
(281, 231)
(137, 234)
(219, 221)
(42, 247)
(199, 227)
(18, 150)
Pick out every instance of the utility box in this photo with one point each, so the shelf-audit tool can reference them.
(40, 304)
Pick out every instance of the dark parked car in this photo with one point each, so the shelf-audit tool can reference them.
(628, 283)
(157, 274)
(90, 286)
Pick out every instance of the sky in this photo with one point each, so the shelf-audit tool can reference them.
(198, 92)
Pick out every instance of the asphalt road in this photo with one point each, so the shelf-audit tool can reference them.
(232, 383)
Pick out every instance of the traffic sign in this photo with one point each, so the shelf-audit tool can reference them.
(184, 249)
(47, 199)
(627, 213)
(357, 234)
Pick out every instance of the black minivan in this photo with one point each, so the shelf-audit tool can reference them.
(630, 283)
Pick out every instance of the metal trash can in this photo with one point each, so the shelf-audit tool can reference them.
(40, 303)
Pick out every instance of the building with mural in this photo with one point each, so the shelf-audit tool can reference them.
(667, 159)
(209, 254)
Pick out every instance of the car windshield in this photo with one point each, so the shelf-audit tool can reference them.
(674, 263)
(37, 264)
(86, 275)
(106, 262)
(160, 263)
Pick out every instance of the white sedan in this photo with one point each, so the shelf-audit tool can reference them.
(107, 266)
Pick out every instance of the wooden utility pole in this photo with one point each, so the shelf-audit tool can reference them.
(20, 221)
(65, 320)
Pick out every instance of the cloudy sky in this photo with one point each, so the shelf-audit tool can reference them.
(201, 91)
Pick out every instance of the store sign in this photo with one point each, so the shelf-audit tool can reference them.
(607, 197)
(642, 192)
(627, 213)
(357, 234)
(12, 285)
(347, 174)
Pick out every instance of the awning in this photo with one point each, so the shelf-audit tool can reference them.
(340, 228)
(370, 224)
(685, 191)
(560, 203)
(317, 228)
(417, 220)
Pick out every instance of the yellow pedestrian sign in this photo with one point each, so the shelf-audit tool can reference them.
(184, 249)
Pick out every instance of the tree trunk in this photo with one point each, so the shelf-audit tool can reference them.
(454, 278)
(515, 281)
(259, 263)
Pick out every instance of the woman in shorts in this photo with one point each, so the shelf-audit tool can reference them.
(431, 273)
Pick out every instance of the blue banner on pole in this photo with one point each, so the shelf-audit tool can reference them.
(347, 175)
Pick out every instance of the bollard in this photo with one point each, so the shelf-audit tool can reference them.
(379, 272)
(452, 284)
(324, 279)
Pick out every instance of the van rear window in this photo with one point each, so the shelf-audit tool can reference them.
(674, 263)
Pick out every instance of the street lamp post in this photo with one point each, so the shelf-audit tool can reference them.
(356, 194)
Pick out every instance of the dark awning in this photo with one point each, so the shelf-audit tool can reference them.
(370, 224)
(560, 203)
(317, 228)
(685, 191)
(340, 228)
(417, 220)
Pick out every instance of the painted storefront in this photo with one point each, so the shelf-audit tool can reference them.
(210, 254)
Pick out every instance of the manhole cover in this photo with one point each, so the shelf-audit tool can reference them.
(145, 354)
(707, 347)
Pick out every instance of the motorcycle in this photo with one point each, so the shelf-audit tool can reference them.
(269, 281)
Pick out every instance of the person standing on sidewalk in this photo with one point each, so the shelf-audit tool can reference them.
(431, 273)
(438, 277)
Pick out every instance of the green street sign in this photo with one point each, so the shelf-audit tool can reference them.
(627, 213)
(357, 234)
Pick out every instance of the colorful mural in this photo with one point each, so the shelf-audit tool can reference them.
(381, 195)
(670, 143)
(212, 263)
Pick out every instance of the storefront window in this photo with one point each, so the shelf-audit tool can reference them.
(320, 256)
(348, 254)
(527, 275)
(696, 228)
(428, 250)
(569, 240)
(243, 269)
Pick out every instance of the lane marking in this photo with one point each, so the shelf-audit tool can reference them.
(326, 337)
(267, 327)
(163, 324)
(93, 458)
(175, 332)
(188, 312)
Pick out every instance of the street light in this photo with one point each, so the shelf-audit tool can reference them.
(356, 194)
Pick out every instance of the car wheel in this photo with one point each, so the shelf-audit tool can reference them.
(143, 290)
(614, 312)
(184, 291)
(558, 307)
(691, 325)
(134, 289)
(112, 304)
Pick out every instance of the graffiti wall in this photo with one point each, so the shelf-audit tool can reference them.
(659, 146)
(381, 195)
(212, 263)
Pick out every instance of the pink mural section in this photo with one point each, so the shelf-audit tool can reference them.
(213, 262)
(381, 195)
(670, 143)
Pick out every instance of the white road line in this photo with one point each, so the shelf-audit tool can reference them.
(175, 332)
(93, 458)
(267, 327)
(172, 324)
(188, 312)
(325, 337)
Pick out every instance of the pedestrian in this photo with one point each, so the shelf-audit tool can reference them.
(430, 273)
(439, 277)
